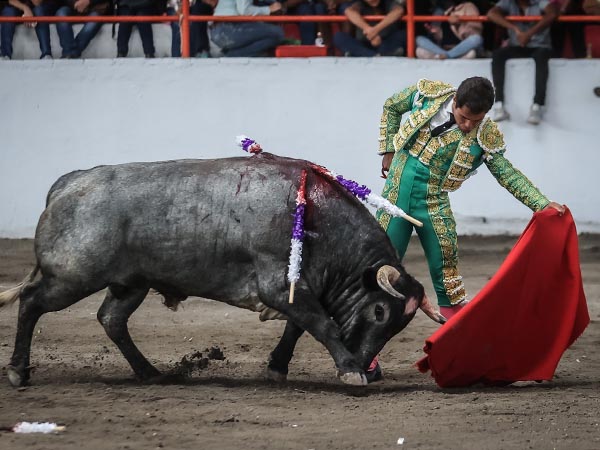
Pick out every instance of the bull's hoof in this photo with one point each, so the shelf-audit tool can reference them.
(276, 376)
(354, 378)
(15, 378)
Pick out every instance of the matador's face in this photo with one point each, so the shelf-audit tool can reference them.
(465, 119)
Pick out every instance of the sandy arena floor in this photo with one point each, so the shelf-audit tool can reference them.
(82, 381)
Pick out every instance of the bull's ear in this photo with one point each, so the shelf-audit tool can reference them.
(369, 279)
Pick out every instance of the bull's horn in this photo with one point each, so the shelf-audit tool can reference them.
(387, 275)
(431, 312)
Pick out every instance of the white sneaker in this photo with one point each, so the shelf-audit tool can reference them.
(535, 114)
(46, 57)
(471, 54)
(499, 113)
(421, 53)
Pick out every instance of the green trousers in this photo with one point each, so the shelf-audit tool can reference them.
(419, 197)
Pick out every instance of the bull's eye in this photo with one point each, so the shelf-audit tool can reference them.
(379, 313)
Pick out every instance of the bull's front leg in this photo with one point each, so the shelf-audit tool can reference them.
(281, 356)
(308, 314)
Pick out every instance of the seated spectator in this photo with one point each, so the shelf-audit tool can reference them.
(73, 46)
(560, 30)
(137, 8)
(591, 7)
(198, 30)
(526, 40)
(26, 8)
(308, 30)
(245, 39)
(452, 39)
(384, 38)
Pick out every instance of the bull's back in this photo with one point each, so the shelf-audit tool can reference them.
(150, 218)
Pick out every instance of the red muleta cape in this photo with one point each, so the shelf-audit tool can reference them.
(522, 321)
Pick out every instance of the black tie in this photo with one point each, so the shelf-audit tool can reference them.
(443, 127)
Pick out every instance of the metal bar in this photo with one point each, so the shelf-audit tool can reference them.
(184, 29)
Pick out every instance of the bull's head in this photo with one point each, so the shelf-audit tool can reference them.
(392, 300)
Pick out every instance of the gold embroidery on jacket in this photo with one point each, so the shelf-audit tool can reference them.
(392, 186)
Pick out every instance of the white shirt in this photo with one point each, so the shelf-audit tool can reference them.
(442, 116)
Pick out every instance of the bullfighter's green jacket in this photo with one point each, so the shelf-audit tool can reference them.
(425, 168)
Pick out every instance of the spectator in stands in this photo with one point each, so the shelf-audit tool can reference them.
(560, 30)
(26, 8)
(137, 8)
(308, 30)
(73, 46)
(384, 38)
(198, 30)
(452, 39)
(245, 39)
(526, 40)
(591, 7)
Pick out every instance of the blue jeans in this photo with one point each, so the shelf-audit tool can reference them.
(308, 30)
(198, 30)
(473, 42)
(42, 30)
(73, 46)
(125, 29)
(351, 46)
(246, 39)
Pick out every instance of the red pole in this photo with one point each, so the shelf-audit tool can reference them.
(185, 28)
(410, 28)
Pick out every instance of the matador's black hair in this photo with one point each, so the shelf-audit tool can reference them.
(477, 93)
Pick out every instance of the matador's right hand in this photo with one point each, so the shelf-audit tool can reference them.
(386, 162)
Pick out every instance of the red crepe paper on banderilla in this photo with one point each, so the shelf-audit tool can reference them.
(522, 321)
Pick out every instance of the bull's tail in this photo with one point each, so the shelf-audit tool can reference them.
(10, 296)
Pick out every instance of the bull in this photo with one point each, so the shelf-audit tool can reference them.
(218, 229)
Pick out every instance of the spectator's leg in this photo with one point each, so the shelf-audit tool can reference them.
(124, 32)
(351, 46)
(86, 34)
(473, 42)
(175, 35)
(541, 57)
(345, 27)
(146, 34)
(577, 39)
(42, 30)
(7, 30)
(199, 39)
(558, 31)
(393, 44)
(253, 39)
(65, 32)
(308, 30)
(499, 58)
(428, 45)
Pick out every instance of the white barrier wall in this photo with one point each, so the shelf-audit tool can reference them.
(57, 116)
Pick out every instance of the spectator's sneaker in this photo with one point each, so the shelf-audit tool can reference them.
(471, 54)
(424, 54)
(535, 114)
(5, 57)
(375, 374)
(398, 52)
(499, 113)
(46, 57)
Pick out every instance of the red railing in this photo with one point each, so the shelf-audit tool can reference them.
(185, 18)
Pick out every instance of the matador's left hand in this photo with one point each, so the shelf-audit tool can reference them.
(560, 208)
